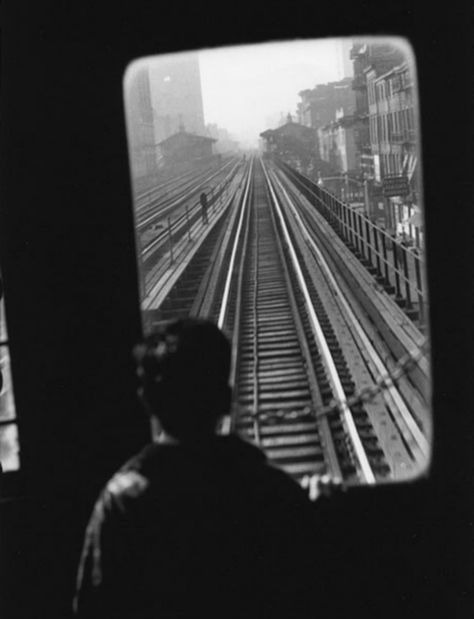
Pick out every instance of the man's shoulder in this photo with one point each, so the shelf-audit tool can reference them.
(279, 481)
(121, 491)
(255, 467)
(127, 484)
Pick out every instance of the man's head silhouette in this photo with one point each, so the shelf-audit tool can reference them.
(183, 367)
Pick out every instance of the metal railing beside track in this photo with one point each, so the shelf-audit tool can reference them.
(182, 223)
(142, 200)
(343, 401)
(398, 268)
(159, 254)
(193, 283)
(145, 185)
(416, 434)
(166, 185)
(161, 207)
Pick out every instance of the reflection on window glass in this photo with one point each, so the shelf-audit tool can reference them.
(277, 191)
(3, 322)
(9, 446)
(7, 404)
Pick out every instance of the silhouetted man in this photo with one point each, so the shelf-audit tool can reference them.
(196, 525)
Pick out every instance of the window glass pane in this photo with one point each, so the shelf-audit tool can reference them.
(7, 403)
(9, 449)
(291, 157)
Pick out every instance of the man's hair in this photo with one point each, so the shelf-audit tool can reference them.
(184, 369)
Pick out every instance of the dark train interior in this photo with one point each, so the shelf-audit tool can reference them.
(68, 262)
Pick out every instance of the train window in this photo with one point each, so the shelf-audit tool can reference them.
(9, 448)
(277, 190)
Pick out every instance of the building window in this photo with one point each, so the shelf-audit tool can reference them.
(390, 124)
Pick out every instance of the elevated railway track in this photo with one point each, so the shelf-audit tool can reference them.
(312, 386)
(169, 197)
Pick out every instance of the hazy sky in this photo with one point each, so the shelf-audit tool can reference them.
(245, 88)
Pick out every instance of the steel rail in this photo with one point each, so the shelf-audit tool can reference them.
(176, 181)
(365, 468)
(228, 423)
(176, 200)
(154, 283)
(256, 360)
(225, 296)
(406, 415)
(152, 246)
(166, 185)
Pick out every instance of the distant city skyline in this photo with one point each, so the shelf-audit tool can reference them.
(244, 87)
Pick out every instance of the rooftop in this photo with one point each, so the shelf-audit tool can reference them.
(189, 136)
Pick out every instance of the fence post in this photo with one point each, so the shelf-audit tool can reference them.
(407, 277)
(354, 229)
(187, 222)
(388, 285)
(367, 237)
(398, 297)
(170, 240)
(332, 220)
(410, 225)
(339, 219)
(366, 198)
(388, 213)
(419, 286)
(327, 207)
(417, 237)
(377, 256)
(345, 228)
(361, 233)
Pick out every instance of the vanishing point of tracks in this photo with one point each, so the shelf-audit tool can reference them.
(289, 360)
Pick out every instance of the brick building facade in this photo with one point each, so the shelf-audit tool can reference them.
(392, 121)
(369, 59)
